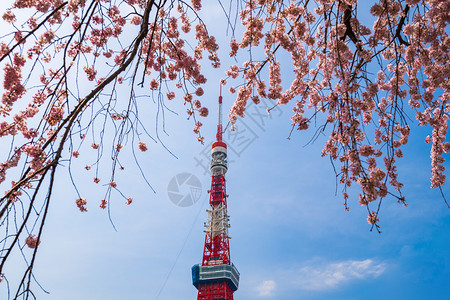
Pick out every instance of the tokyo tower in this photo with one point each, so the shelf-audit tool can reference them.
(216, 278)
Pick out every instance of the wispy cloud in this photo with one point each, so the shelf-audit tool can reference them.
(266, 288)
(331, 275)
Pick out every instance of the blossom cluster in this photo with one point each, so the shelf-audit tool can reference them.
(92, 40)
(32, 241)
(81, 204)
(332, 50)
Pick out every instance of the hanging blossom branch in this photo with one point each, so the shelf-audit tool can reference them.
(361, 73)
(62, 70)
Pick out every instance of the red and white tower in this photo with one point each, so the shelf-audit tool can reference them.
(217, 278)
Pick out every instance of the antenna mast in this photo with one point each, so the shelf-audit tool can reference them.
(219, 123)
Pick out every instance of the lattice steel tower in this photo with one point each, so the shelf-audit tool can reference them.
(217, 278)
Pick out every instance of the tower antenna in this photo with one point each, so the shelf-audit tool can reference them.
(219, 122)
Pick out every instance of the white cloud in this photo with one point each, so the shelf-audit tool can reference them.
(266, 288)
(327, 276)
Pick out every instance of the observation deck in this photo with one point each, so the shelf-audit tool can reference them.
(206, 274)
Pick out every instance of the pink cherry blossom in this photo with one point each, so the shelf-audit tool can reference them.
(234, 47)
(32, 241)
(203, 112)
(103, 204)
(129, 200)
(154, 84)
(170, 95)
(9, 16)
(196, 4)
(142, 146)
(199, 92)
(90, 72)
(135, 20)
(81, 204)
(372, 218)
(197, 127)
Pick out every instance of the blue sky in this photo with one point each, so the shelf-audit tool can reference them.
(291, 238)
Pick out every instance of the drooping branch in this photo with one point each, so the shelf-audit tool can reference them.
(49, 141)
(33, 31)
(332, 58)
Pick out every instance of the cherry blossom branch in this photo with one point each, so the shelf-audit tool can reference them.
(32, 32)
